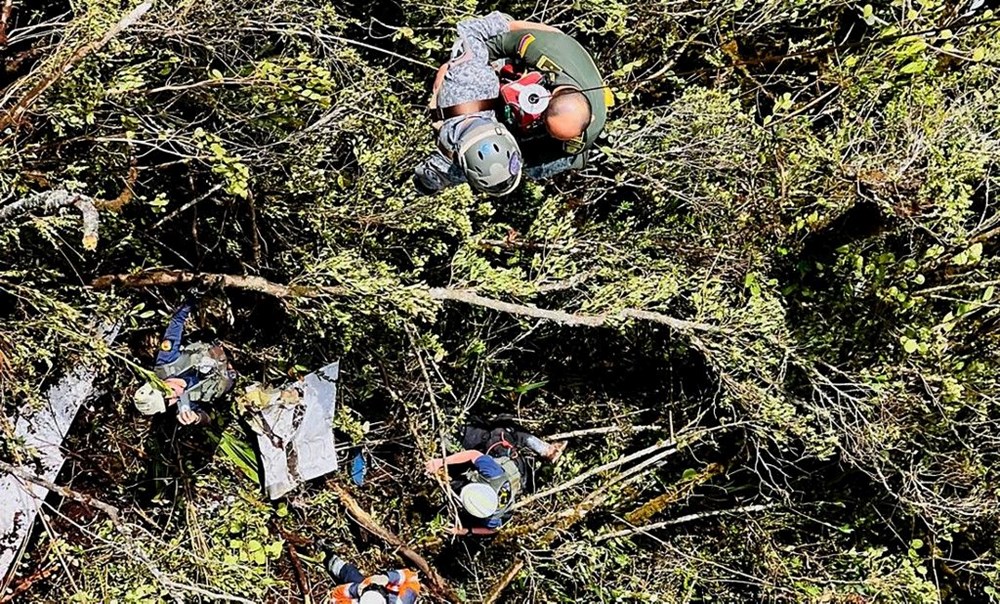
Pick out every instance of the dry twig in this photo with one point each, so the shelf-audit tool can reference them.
(508, 576)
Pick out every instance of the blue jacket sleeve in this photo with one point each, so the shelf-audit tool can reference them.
(549, 169)
(488, 467)
(171, 345)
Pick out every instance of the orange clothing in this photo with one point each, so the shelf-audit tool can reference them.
(403, 588)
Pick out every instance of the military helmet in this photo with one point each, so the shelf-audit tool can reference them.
(490, 158)
(149, 400)
(479, 500)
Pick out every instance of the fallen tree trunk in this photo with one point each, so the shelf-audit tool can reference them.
(437, 583)
(163, 277)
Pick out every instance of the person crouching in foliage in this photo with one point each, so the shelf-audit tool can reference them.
(188, 376)
(394, 587)
(473, 146)
(486, 478)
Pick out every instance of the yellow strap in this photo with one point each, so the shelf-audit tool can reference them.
(609, 97)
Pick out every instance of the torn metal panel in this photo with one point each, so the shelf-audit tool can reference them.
(295, 431)
(42, 431)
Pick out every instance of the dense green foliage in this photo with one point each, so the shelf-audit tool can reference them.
(803, 193)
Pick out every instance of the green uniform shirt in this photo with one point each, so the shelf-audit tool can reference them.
(559, 54)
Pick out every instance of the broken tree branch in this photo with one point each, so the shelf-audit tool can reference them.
(592, 472)
(186, 206)
(600, 430)
(161, 277)
(681, 489)
(566, 318)
(564, 519)
(682, 519)
(300, 575)
(13, 115)
(50, 201)
(27, 583)
(66, 492)
(167, 278)
(437, 583)
(508, 576)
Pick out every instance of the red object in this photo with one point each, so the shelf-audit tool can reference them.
(510, 92)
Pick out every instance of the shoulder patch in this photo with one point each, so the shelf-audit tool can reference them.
(165, 345)
(546, 64)
(522, 46)
(505, 494)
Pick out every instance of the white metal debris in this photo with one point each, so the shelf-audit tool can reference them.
(42, 432)
(295, 431)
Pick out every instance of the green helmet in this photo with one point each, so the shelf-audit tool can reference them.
(490, 158)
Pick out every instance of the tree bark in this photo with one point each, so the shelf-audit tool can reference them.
(162, 277)
(509, 575)
(437, 583)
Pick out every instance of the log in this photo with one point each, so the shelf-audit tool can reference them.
(162, 277)
(437, 583)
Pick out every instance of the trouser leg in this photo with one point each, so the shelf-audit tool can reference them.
(343, 572)
(529, 441)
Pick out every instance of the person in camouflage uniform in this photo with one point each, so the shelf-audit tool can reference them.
(473, 146)
(578, 108)
(189, 376)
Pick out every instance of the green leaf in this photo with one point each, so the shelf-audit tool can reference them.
(914, 67)
(868, 14)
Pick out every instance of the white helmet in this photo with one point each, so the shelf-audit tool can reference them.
(149, 400)
(372, 596)
(479, 500)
